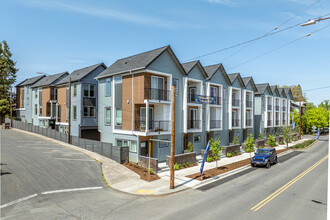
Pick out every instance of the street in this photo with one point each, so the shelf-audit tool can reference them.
(295, 188)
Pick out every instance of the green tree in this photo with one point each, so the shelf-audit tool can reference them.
(287, 134)
(325, 104)
(7, 78)
(249, 144)
(216, 149)
(310, 105)
(318, 117)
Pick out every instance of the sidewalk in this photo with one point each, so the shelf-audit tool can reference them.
(123, 179)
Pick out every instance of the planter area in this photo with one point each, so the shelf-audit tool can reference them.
(231, 148)
(209, 153)
(279, 139)
(142, 172)
(182, 158)
(260, 142)
(144, 162)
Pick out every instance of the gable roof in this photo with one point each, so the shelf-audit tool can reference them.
(212, 69)
(282, 92)
(190, 65)
(31, 81)
(275, 90)
(137, 62)
(262, 88)
(49, 80)
(288, 92)
(248, 80)
(80, 73)
(234, 76)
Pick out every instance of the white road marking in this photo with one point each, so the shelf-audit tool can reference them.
(71, 190)
(18, 200)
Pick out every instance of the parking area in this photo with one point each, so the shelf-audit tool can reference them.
(31, 165)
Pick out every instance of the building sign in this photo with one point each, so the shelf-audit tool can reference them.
(201, 99)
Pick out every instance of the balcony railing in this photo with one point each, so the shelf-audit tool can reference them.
(215, 124)
(277, 108)
(194, 124)
(235, 102)
(248, 104)
(277, 122)
(248, 122)
(216, 100)
(192, 98)
(283, 122)
(157, 94)
(235, 123)
(283, 108)
(269, 122)
(269, 107)
(154, 126)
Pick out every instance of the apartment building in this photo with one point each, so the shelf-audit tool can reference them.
(135, 103)
(289, 111)
(24, 99)
(283, 107)
(248, 106)
(84, 99)
(277, 116)
(43, 100)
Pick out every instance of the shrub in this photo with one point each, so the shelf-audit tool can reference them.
(216, 149)
(229, 154)
(271, 141)
(190, 147)
(287, 132)
(260, 136)
(261, 147)
(235, 141)
(150, 170)
(276, 134)
(209, 159)
(294, 139)
(303, 145)
(177, 166)
(281, 142)
(249, 144)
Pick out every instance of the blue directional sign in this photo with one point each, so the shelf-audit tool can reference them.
(318, 134)
(204, 158)
(293, 125)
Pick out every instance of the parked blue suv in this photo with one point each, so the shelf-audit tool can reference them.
(264, 157)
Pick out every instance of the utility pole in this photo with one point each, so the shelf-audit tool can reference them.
(300, 117)
(69, 132)
(11, 107)
(172, 139)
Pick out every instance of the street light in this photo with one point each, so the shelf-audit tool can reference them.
(310, 22)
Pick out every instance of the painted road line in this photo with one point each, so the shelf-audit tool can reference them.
(71, 190)
(17, 201)
(144, 191)
(280, 190)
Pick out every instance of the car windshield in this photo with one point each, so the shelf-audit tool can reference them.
(262, 152)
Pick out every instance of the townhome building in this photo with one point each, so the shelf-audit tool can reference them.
(24, 99)
(84, 99)
(283, 107)
(289, 112)
(135, 103)
(263, 113)
(44, 101)
(277, 116)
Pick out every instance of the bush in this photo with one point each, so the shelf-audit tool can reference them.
(303, 145)
(294, 139)
(190, 147)
(281, 142)
(261, 147)
(276, 134)
(235, 141)
(185, 164)
(177, 166)
(235, 153)
(249, 144)
(260, 136)
(150, 170)
(271, 141)
(209, 159)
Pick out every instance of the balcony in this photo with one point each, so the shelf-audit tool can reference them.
(215, 124)
(269, 122)
(277, 122)
(283, 108)
(157, 94)
(269, 107)
(235, 123)
(216, 100)
(248, 104)
(194, 124)
(154, 126)
(283, 122)
(277, 108)
(248, 122)
(235, 102)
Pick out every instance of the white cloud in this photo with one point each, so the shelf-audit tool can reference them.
(223, 2)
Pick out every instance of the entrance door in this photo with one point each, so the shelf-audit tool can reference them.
(185, 140)
(144, 148)
(193, 118)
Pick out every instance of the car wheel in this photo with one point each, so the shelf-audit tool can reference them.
(268, 164)
(252, 165)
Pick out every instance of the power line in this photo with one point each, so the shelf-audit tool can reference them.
(316, 89)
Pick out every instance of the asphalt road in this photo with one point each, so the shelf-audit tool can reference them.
(299, 192)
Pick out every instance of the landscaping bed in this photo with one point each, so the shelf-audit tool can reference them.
(183, 166)
(303, 144)
(224, 169)
(142, 172)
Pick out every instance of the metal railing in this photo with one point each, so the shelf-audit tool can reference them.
(269, 107)
(235, 102)
(154, 126)
(283, 108)
(157, 94)
(194, 124)
(216, 100)
(277, 122)
(248, 104)
(235, 123)
(248, 122)
(215, 124)
(269, 122)
(277, 108)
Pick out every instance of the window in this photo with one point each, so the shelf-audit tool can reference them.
(118, 116)
(118, 79)
(224, 93)
(55, 93)
(40, 110)
(214, 91)
(35, 93)
(107, 116)
(89, 90)
(176, 84)
(74, 112)
(22, 98)
(36, 109)
(89, 111)
(108, 87)
(27, 101)
(27, 90)
(197, 138)
(67, 113)
(74, 89)
(131, 144)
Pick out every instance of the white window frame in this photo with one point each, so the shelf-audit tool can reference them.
(105, 116)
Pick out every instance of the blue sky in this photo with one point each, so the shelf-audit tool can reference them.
(64, 35)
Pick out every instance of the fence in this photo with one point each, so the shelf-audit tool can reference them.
(118, 154)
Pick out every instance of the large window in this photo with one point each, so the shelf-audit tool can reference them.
(89, 90)
(40, 110)
(108, 87)
(67, 113)
(35, 109)
(74, 89)
(107, 116)
(22, 98)
(89, 111)
(74, 112)
(118, 79)
(119, 118)
(36, 93)
(131, 144)
(176, 84)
